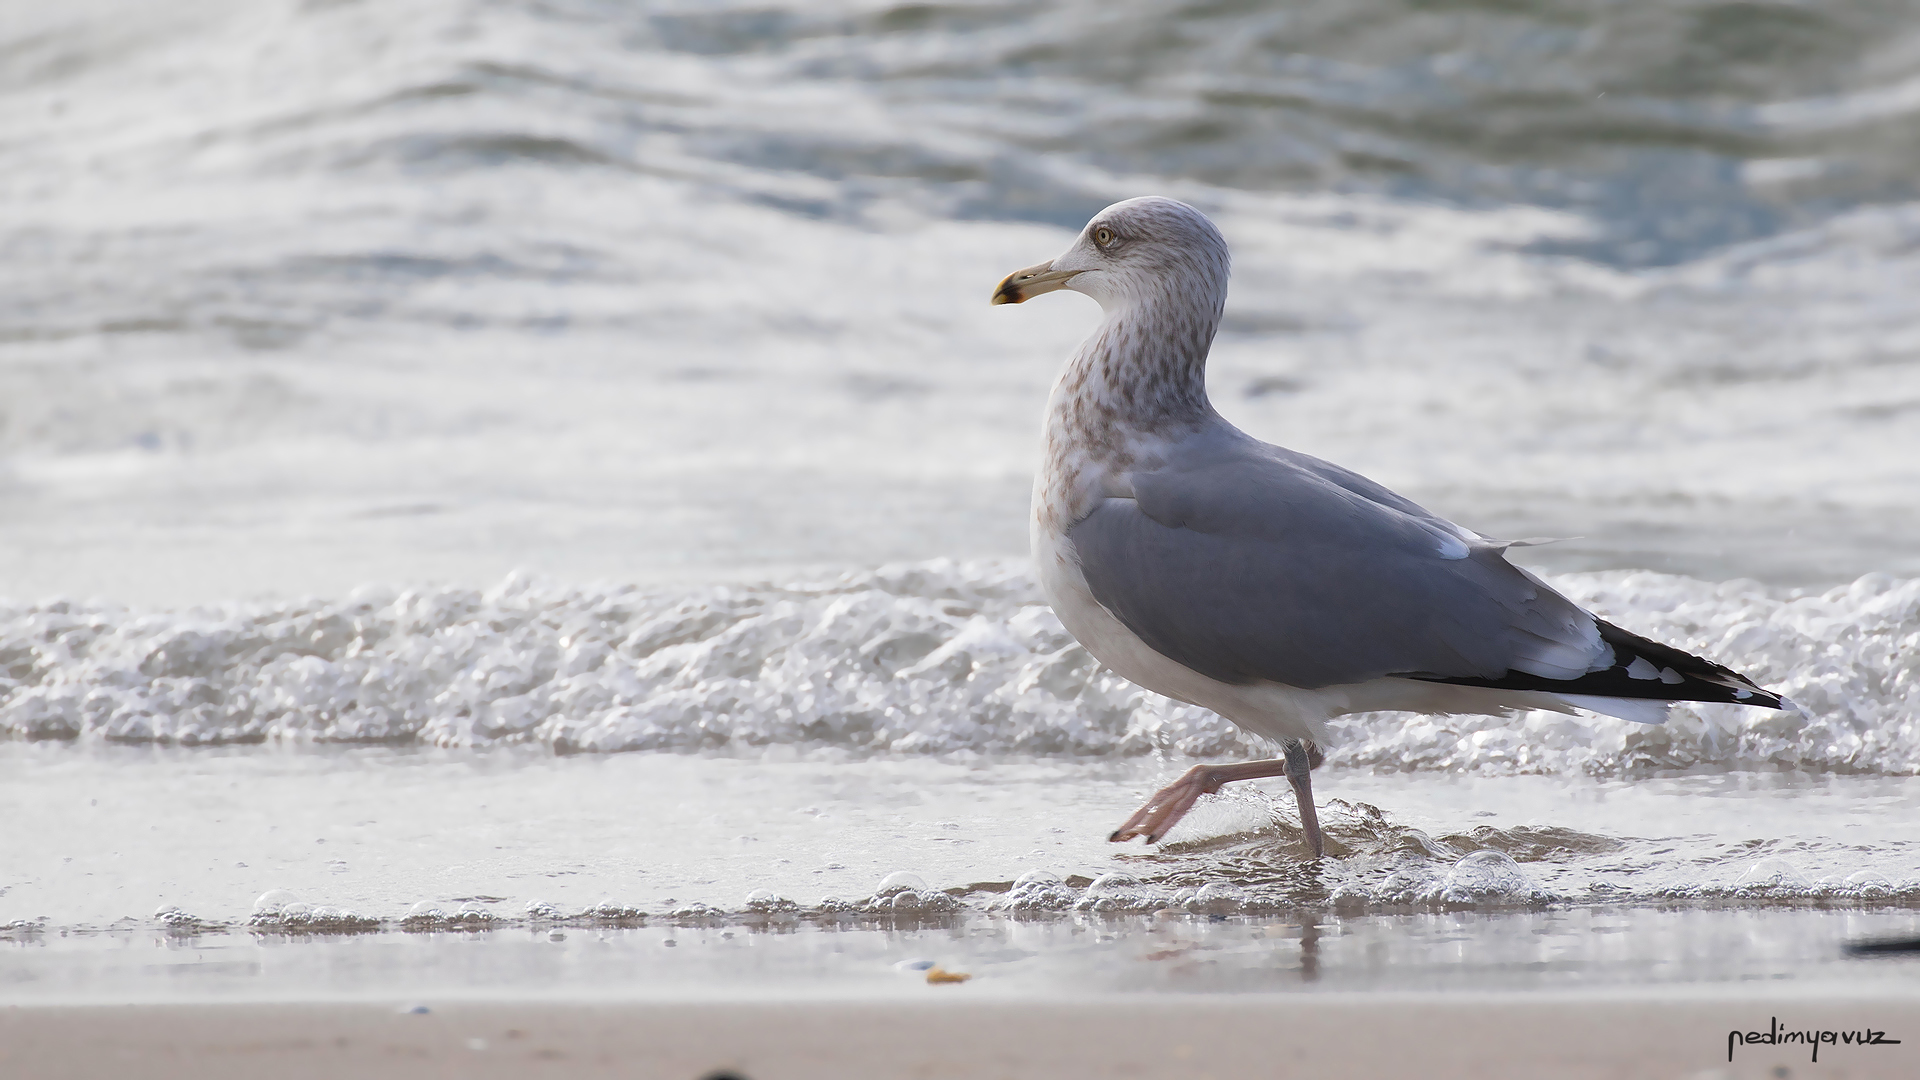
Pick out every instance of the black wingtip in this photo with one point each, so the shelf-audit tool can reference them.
(1700, 679)
(1643, 669)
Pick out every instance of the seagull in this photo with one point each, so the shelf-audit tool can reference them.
(1274, 588)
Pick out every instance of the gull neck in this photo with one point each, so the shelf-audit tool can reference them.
(1146, 364)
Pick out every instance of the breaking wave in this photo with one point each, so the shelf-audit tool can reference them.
(929, 658)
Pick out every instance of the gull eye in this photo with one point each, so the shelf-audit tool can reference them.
(1103, 236)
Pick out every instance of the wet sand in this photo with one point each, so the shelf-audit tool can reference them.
(1372, 1036)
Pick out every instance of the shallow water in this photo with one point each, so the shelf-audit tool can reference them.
(383, 874)
(370, 838)
(405, 407)
(1638, 952)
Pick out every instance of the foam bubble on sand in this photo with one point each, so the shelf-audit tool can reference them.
(1037, 890)
(926, 658)
(279, 910)
(429, 915)
(1488, 875)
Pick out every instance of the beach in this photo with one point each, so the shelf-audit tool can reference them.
(1346, 1036)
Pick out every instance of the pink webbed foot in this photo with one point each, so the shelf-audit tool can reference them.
(1172, 802)
(1168, 805)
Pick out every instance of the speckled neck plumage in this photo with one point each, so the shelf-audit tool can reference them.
(1139, 382)
(1146, 366)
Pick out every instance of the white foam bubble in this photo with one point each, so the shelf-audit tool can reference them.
(1772, 875)
(274, 901)
(900, 881)
(1037, 890)
(1487, 876)
(767, 902)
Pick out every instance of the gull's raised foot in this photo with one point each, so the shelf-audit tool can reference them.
(1170, 804)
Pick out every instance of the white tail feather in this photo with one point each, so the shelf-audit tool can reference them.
(1638, 710)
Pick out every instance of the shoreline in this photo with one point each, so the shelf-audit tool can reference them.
(947, 1033)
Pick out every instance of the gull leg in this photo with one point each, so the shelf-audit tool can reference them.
(1302, 757)
(1172, 802)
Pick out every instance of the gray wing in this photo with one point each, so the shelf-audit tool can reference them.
(1248, 562)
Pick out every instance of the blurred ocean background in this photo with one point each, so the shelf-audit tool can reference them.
(303, 296)
(591, 376)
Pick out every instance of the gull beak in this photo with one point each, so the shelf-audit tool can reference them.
(1023, 285)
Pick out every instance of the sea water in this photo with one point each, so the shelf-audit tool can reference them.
(516, 467)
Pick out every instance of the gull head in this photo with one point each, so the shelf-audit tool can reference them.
(1133, 251)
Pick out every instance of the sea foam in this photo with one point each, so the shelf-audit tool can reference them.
(928, 658)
